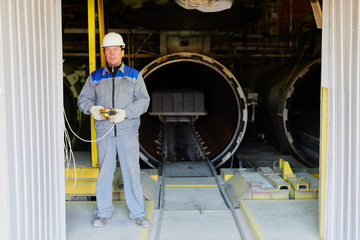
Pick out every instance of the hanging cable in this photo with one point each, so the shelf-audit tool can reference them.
(89, 141)
(69, 157)
(69, 154)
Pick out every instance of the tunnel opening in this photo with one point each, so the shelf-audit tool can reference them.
(303, 107)
(290, 104)
(223, 126)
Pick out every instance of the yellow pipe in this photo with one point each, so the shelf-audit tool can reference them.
(92, 67)
(323, 146)
(101, 29)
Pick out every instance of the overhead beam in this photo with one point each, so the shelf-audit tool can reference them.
(317, 12)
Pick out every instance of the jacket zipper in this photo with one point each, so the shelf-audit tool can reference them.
(113, 96)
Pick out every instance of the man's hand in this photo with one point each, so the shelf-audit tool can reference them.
(118, 117)
(95, 112)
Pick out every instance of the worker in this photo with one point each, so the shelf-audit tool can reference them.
(121, 88)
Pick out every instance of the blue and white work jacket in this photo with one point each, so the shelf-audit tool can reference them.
(125, 91)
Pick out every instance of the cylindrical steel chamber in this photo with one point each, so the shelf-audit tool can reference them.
(290, 102)
(223, 127)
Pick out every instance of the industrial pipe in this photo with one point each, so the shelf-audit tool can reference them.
(223, 127)
(290, 100)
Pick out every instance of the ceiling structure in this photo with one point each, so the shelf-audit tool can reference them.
(248, 32)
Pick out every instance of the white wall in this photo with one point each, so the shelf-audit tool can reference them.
(31, 123)
(341, 75)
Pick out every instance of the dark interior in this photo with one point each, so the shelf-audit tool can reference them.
(218, 127)
(304, 114)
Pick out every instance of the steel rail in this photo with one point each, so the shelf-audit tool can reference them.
(162, 187)
(219, 182)
(198, 145)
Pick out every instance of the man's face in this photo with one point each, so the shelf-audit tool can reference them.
(113, 55)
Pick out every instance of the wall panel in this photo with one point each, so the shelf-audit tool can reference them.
(340, 74)
(32, 138)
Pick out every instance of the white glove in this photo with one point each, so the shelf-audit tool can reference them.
(95, 112)
(118, 117)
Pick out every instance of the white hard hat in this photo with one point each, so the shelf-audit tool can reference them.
(113, 39)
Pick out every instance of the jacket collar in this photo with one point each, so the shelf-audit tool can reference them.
(121, 68)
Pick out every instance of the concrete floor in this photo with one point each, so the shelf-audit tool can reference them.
(284, 219)
(210, 225)
(272, 220)
(187, 169)
(182, 224)
(199, 212)
(79, 217)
